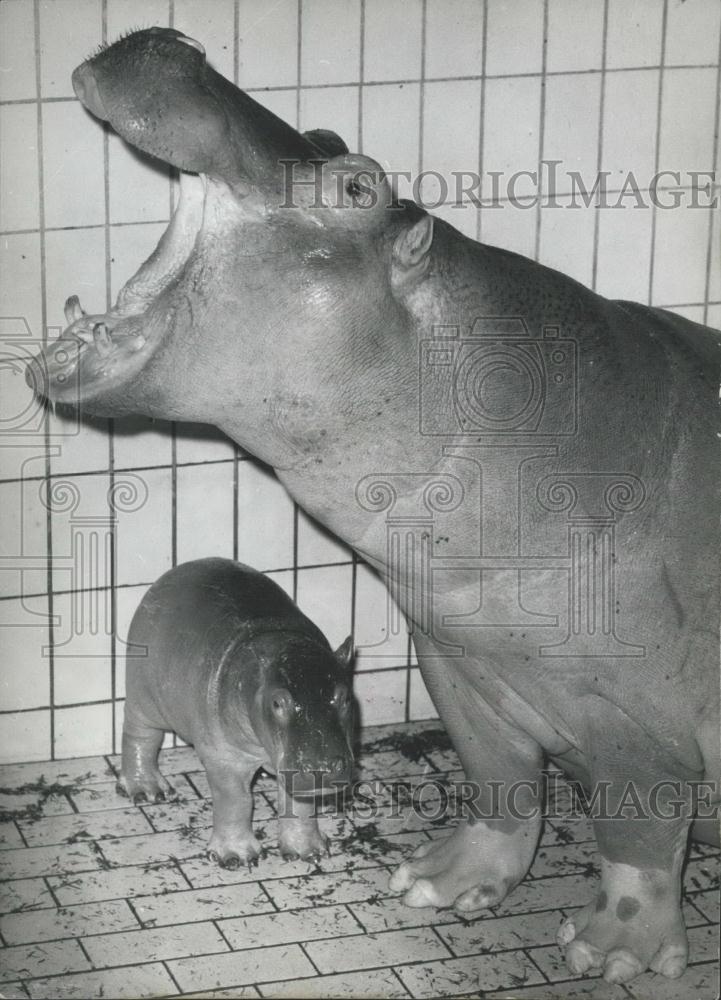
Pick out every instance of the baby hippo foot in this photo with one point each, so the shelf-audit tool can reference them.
(634, 924)
(233, 849)
(301, 840)
(472, 869)
(146, 786)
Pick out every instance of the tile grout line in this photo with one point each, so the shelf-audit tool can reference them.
(214, 922)
(599, 148)
(269, 898)
(495, 203)
(394, 81)
(165, 965)
(482, 116)
(421, 143)
(302, 944)
(162, 467)
(396, 668)
(298, 89)
(299, 55)
(83, 949)
(111, 602)
(527, 951)
(49, 450)
(541, 122)
(236, 449)
(657, 151)
(715, 156)
(361, 71)
(446, 944)
(173, 424)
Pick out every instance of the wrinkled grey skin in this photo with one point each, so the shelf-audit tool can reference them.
(300, 332)
(220, 655)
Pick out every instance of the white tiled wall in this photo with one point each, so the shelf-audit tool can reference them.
(441, 85)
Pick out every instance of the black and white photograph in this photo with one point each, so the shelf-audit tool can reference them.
(360, 482)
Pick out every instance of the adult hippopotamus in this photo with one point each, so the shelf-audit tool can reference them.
(220, 655)
(533, 470)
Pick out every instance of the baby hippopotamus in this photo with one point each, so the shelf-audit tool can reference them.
(220, 655)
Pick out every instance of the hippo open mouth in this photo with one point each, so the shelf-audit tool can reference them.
(106, 349)
(156, 90)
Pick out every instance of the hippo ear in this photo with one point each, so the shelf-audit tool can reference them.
(411, 248)
(345, 653)
(326, 141)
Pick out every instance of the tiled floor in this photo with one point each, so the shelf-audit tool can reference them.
(103, 899)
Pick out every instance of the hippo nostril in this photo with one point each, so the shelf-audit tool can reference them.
(86, 90)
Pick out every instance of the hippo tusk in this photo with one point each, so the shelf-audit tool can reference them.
(103, 342)
(73, 310)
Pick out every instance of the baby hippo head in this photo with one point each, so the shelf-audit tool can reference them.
(304, 716)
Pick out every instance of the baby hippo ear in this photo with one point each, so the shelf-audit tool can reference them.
(344, 654)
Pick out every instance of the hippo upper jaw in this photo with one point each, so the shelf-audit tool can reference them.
(156, 90)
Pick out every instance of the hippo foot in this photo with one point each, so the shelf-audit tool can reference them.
(232, 852)
(302, 842)
(472, 869)
(152, 787)
(634, 924)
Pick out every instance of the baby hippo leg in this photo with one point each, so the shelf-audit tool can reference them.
(299, 836)
(232, 843)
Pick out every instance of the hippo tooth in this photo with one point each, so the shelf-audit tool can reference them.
(103, 343)
(73, 310)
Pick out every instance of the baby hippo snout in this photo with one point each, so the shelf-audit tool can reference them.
(323, 779)
(313, 737)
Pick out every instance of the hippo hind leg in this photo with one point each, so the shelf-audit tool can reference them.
(140, 778)
(641, 818)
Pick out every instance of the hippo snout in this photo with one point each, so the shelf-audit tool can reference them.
(323, 779)
(36, 377)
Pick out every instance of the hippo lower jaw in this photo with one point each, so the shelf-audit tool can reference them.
(100, 352)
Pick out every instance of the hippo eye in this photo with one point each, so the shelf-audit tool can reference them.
(341, 699)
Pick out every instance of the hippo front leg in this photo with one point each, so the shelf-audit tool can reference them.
(232, 842)
(299, 835)
(489, 852)
(642, 814)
